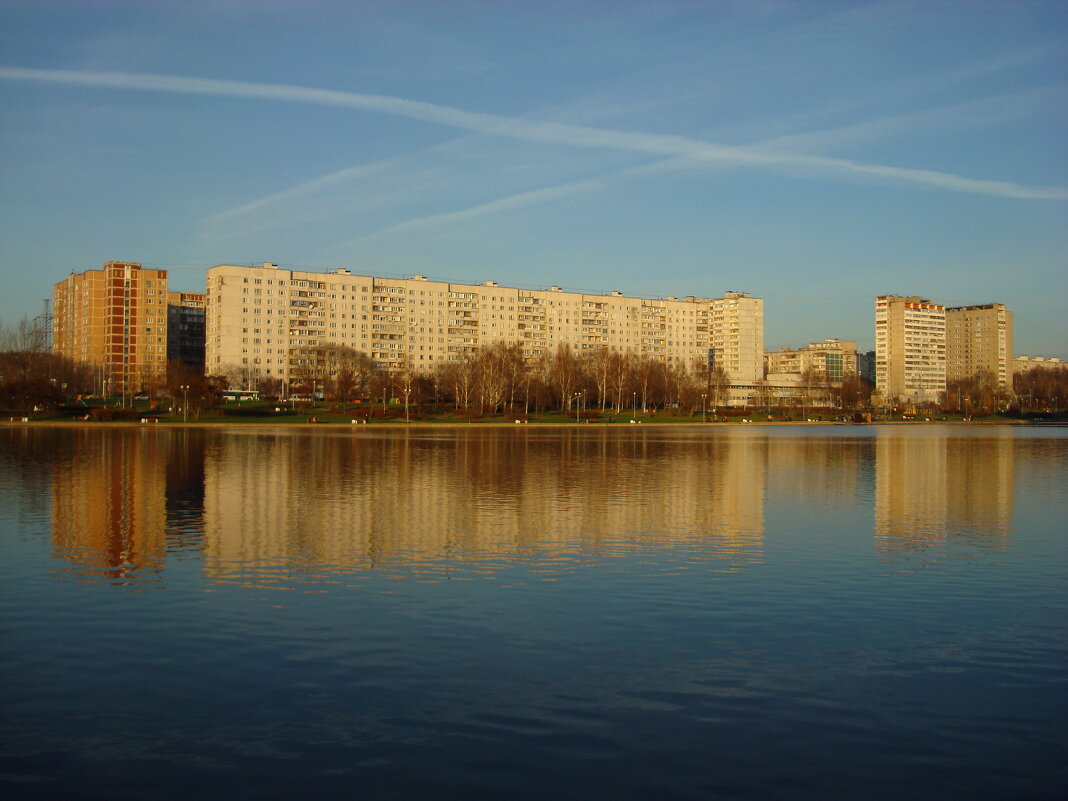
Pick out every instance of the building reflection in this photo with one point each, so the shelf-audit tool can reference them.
(817, 472)
(247, 501)
(123, 499)
(477, 496)
(109, 503)
(931, 487)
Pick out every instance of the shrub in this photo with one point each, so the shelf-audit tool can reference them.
(105, 415)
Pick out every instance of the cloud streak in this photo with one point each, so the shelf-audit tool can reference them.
(668, 145)
(992, 109)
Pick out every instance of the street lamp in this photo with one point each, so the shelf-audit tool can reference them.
(577, 396)
(704, 407)
(634, 404)
(185, 402)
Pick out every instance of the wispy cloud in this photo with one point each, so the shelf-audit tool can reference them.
(311, 187)
(520, 200)
(978, 112)
(540, 131)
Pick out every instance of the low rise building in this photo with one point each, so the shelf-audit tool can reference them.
(832, 358)
(1022, 363)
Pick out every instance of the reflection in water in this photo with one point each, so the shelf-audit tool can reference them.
(485, 494)
(928, 487)
(108, 503)
(818, 472)
(685, 613)
(123, 500)
(247, 502)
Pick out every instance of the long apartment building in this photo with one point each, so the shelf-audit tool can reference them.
(910, 348)
(116, 319)
(262, 319)
(979, 340)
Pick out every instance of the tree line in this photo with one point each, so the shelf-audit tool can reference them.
(1042, 387)
(499, 376)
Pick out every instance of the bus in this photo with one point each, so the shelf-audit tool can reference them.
(241, 395)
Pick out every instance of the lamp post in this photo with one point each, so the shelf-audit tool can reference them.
(185, 402)
(576, 398)
(634, 404)
(704, 407)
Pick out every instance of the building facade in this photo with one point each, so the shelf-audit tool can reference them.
(910, 349)
(833, 359)
(260, 320)
(979, 340)
(185, 328)
(1021, 363)
(736, 335)
(115, 319)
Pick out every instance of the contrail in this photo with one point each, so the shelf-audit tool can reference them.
(535, 130)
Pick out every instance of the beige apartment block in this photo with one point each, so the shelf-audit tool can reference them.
(736, 336)
(910, 348)
(832, 358)
(258, 320)
(1022, 363)
(116, 319)
(979, 339)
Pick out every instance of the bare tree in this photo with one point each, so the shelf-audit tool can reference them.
(854, 392)
(458, 378)
(648, 376)
(598, 366)
(191, 389)
(492, 370)
(406, 381)
(347, 372)
(718, 383)
(618, 374)
(565, 375)
(25, 351)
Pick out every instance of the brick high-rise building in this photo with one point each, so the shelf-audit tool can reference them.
(115, 319)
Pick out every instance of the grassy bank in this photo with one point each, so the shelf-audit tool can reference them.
(245, 414)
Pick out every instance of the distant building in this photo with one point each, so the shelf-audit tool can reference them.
(979, 339)
(910, 348)
(1022, 363)
(115, 319)
(735, 334)
(185, 328)
(866, 366)
(262, 321)
(832, 358)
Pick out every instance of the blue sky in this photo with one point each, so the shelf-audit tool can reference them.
(814, 154)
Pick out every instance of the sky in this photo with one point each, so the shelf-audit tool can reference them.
(814, 154)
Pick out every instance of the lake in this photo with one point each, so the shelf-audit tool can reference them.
(635, 612)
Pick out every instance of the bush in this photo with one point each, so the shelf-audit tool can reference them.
(260, 412)
(106, 415)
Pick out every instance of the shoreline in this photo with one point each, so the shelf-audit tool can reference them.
(304, 424)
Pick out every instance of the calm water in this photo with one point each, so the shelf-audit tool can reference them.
(636, 613)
